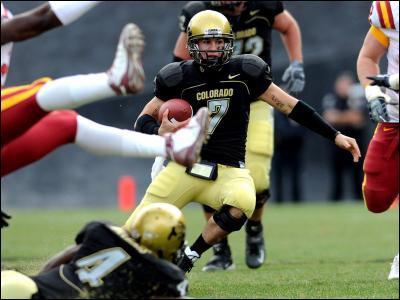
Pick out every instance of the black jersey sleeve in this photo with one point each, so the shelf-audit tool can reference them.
(257, 73)
(167, 82)
(80, 237)
(271, 9)
(188, 11)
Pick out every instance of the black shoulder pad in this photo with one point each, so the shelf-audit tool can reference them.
(253, 65)
(171, 75)
(188, 11)
(194, 7)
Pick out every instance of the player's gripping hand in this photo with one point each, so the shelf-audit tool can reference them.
(377, 110)
(377, 102)
(293, 78)
(349, 144)
(388, 81)
(4, 218)
(168, 126)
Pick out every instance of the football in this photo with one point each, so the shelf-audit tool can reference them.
(179, 110)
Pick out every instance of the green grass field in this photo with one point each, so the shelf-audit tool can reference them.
(314, 251)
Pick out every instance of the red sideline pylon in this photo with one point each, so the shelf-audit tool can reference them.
(126, 193)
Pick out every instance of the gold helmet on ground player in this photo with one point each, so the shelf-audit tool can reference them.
(159, 227)
(210, 24)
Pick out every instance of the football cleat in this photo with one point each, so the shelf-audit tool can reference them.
(184, 146)
(394, 271)
(255, 249)
(126, 75)
(187, 259)
(222, 259)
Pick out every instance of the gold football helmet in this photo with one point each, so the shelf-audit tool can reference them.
(210, 24)
(159, 227)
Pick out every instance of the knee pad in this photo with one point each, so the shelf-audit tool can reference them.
(262, 198)
(208, 209)
(227, 222)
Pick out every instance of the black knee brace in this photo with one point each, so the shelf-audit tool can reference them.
(226, 221)
(208, 209)
(262, 198)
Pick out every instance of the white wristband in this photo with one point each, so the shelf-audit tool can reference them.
(373, 92)
(69, 11)
(394, 81)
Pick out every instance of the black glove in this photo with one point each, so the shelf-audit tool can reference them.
(387, 81)
(293, 78)
(4, 217)
(380, 80)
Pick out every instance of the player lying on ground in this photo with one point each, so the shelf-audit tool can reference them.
(109, 262)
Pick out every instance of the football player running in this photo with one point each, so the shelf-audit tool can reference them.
(381, 166)
(252, 24)
(32, 124)
(109, 262)
(226, 85)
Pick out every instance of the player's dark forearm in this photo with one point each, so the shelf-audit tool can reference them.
(29, 24)
(61, 258)
(305, 115)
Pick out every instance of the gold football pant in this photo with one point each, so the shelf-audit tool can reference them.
(173, 185)
(260, 144)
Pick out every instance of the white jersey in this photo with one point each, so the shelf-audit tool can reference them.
(385, 16)
(5, 49)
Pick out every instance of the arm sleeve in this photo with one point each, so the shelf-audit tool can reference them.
(271, 9)
(305, 115)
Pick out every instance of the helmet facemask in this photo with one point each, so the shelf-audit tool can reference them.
(203, 58)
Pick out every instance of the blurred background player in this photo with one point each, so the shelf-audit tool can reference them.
(29, 131)
(381, 166)
(345, 109)
(226, 86)
(252, 24)
(289, 139)
(109, 262)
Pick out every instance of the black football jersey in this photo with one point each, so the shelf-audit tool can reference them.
(252, 29)
(227, 93)
(109, 266)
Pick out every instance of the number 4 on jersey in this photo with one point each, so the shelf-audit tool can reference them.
(94, 267)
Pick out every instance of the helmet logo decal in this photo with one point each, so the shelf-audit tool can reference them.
(213, 31)
(173, 233)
